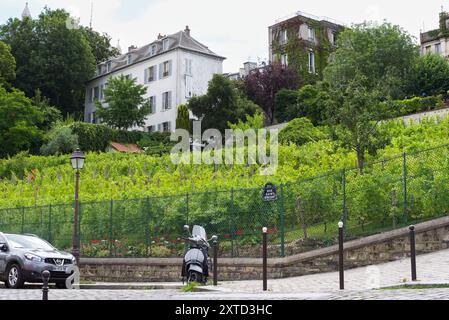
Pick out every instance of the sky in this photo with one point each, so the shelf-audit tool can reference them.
(235, 29)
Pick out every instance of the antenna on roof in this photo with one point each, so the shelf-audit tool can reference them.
(91, 13)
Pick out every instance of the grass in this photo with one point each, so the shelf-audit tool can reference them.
(418, 287)
(190, 286)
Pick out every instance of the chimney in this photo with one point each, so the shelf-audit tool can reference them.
(131, 48)
(159, 37)
(187, 31)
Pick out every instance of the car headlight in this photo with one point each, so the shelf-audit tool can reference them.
(33, 257)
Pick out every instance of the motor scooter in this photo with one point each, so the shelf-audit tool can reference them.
(195, 266)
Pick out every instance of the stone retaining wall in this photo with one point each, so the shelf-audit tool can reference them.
(390, 246)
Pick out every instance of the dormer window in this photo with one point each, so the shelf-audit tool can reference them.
(153, 50)
(128, 59)
(99, 69)
(109, 66)
(165, 44)
(311, 34)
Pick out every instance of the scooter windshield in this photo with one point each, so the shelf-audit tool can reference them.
(199, 231)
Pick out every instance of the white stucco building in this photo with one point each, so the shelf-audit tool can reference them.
(437, 41)
(174, 68)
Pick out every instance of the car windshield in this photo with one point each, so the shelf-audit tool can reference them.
(28, 242)
(199, 231)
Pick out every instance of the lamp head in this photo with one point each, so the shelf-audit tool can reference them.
(77, 159)
(340, 224)
(265, 230)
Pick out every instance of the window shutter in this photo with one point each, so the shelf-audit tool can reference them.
(190, 67)
(159, 127)
(163, 101)
(169, 126)
(154, 104)
(169, 100)
(146, 75)
(170, 68)
(161, 70)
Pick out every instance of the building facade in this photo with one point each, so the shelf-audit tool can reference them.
(437, 41)
(174, 68)
(243, 72)
(305, 42)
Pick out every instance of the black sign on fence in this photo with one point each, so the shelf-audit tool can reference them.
(269, 192)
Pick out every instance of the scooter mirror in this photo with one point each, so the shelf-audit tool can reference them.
(214, 238)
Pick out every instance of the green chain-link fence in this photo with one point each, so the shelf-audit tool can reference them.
(388, 194)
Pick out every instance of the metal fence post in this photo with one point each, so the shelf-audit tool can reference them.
(111, 203)
(147, 226)
(345, 207)
(23, 219)
(49, 224)
(405, 188)
(231, 222)
(187, 208)
(282, 220)
(215, 244)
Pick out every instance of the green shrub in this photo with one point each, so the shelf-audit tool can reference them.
(61, 140)
(301, 131)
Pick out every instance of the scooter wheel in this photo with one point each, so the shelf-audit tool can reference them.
(195, 277)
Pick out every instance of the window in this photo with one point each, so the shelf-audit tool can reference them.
(96, 93)
(150, 74)
(128, 59)
(90, 97)
(428, 49)
(438, 48)
(109, 66)
(166, 100)
(284, 59)
(99, 69)
(165, 69)
(153, 104)
(283, 38)
(153, 50)
(189, 86)
(165, 44)
(311, 34)
(333, 38)
(165, 127)
(151, 128)
(102, 92)
(188, 64)
(311, 62)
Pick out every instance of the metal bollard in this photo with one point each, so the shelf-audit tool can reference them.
(264, 254)
(341, 267)
(45, 278)
(413, 252)
(215, 244)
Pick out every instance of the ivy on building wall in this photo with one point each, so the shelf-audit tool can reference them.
(298, 50)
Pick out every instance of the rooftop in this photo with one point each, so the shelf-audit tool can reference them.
(309, 16)
(179, 40)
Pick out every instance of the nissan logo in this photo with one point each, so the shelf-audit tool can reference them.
(59, 262)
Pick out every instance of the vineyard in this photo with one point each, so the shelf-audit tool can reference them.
(136, 205)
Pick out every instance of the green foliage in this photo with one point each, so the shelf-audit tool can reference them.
(183, 118)
(156, 143)
(415, 105)
(19, 121)
(51, 114)
(256, 121)
(381, 54)
(126, 105)
(190, 287)
(7, 65)
(52, 57)
(301, 131)
(429, 75)
(221, 104)
(100, 44)
(61, 140)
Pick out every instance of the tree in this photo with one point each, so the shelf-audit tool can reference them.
(382, 54)
(52, 57)
(50, 113)
(262, 85)
(7, 65)
(310, 101)
(61, 140)
(255, 122)
(301, 131)
(19, 121)
(126, 105)
(429, 75)
(100, 44)
(357, 111)
(183, 118)
(223, 102)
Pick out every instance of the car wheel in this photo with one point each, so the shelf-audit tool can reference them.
(61, 285)
(14, 277)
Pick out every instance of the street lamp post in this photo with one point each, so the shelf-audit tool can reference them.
(77, 160)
